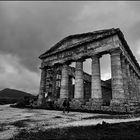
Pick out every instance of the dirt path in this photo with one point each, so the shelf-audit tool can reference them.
(12, 120)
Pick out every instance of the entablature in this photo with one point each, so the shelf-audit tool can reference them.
(88, 47)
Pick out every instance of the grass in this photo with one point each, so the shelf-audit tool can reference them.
(20, 123)
(2, 128)
(105, 131)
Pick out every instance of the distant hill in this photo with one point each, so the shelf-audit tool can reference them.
(12, 95)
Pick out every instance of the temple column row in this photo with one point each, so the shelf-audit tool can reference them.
(119, 82)
(119, 79)
(96, 92)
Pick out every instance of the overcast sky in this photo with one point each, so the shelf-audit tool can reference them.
(28, 29)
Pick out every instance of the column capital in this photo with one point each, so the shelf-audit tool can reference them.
(80, 60)
(65, 66)
(42, 66)
(45, 65)
(124, 59)
(96, 56)
(79, 65)
(57, 65)
(127, 63)
(61, 64)
(65, 63)
(123, 56)
(115, 51)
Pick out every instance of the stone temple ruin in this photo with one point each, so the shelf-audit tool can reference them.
(119, 94)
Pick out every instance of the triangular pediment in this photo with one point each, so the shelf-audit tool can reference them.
(74, 40)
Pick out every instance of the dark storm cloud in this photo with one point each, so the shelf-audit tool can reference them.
(30, 28)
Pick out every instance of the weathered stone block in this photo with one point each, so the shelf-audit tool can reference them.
(119, 109)
(106, 108)
(85, 107)
(76, 104)
(117, 102)
(59, 103)
(88, 103)
(95, 107)
(96, 101)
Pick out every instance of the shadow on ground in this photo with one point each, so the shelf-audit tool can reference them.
(104, 131)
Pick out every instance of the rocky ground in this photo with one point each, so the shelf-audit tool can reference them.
(14, 121)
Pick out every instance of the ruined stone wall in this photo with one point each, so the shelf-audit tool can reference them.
(53, 85)
(70, 88)
(87, 90)
(133, 87)
(106, 95)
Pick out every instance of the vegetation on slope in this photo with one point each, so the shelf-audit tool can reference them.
(8, 96)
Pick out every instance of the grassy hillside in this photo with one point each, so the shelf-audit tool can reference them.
(8, 96)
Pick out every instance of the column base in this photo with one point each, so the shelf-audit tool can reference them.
(63, 94)
(118, 102)
(59, 103)
(132, 102)
(96, 101)
(41, 100)
(78, 99)
(77, 103)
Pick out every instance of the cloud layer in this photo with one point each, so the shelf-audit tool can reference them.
(28, 29)
(14, 75)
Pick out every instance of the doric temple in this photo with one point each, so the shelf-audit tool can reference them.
(59, 80)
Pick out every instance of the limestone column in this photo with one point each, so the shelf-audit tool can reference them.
(70, 88)
(42, 89)
(64, 82)
(137, 86)
(117, 78)
(139, 89)
(96, 91)
(125, 77)
(131, 83)
(128, 69)
(128, 79)
(79, 89)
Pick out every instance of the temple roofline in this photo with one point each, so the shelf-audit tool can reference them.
(105, 33)
(108, 31)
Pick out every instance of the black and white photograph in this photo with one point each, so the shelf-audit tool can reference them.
(69, 70)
